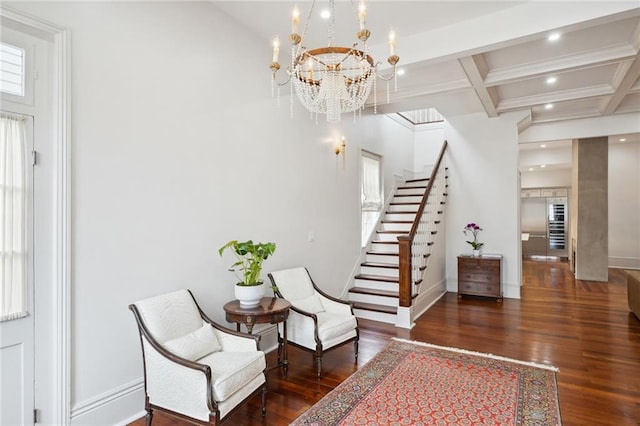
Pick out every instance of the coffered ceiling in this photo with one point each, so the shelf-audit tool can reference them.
(492, 57)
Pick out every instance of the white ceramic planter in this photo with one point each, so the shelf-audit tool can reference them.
(249, 296)
(476, 253)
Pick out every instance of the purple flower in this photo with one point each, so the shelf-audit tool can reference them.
(474, 229)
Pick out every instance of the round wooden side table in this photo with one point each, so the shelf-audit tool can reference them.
(271, 310)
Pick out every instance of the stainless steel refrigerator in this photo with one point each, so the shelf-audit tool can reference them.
(543, 222)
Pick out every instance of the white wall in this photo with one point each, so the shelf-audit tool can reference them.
(624, 205)
(484, 188)
(177, 147)
(428, 141)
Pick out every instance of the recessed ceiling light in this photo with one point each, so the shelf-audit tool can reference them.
(401, 71)
(530, 169)
(543, 146)
(325, 14)
(548, 106)
(552, 80)
(542, 166)
(623, 140)
(554, 37)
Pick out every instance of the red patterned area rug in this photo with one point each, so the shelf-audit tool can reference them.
(413, 383)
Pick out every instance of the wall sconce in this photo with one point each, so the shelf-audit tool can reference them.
(341, 149)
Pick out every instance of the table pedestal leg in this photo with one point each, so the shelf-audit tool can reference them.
(285, 360)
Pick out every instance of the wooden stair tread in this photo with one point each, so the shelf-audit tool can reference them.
(406, 203)
(399, 231)
(426, 179)
(375, 308)
(396, 221)
(380, 265)
(374, 292)
(371, 277)
(382, 253)
(383, 242)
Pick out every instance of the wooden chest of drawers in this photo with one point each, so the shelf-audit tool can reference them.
(480, 276)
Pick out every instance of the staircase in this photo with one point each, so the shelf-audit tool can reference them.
(375, 294)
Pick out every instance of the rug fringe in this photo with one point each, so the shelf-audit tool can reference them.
(464, 351)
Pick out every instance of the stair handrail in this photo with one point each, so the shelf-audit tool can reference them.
(405, 241)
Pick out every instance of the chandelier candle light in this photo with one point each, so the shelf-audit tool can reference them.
(332, 80)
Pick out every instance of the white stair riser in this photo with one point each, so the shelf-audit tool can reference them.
(404, 227)
(385, 272)
(375, 316)
(376, 285)
(412, 199)
(376, 300)
(403, 208)
(399, 216)
(390, 248)
(382, 258)
(388, 237)
(410, 191)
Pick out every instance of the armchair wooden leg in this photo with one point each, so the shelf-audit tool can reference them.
(147, 406)
(355, 347)
(264, 400)
(214, 418)
(319, 363)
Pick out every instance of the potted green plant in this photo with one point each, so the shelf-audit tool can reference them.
(250, 256)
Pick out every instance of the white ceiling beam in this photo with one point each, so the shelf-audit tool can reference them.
(578, 61)
(626, 76)
(564, 95)
(569, 115)
(475, 67)
(404, 92)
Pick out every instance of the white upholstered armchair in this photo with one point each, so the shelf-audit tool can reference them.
(317, 322)
(195, 369)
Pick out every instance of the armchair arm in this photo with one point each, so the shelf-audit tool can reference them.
(336, 306)
(303, 322)
(328, 296)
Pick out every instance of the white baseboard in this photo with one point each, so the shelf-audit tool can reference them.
(133, 418)
(511, 291)
(111, 407)
(624, 262)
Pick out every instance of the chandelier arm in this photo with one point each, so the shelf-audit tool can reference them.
(284, 83)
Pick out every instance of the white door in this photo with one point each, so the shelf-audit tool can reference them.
(17, 334)
(17, 315)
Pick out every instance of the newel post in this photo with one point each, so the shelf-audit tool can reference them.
(404, 253)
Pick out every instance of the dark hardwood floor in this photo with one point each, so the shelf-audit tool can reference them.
(583, 328)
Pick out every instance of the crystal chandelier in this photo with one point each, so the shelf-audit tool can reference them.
(332, 80)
